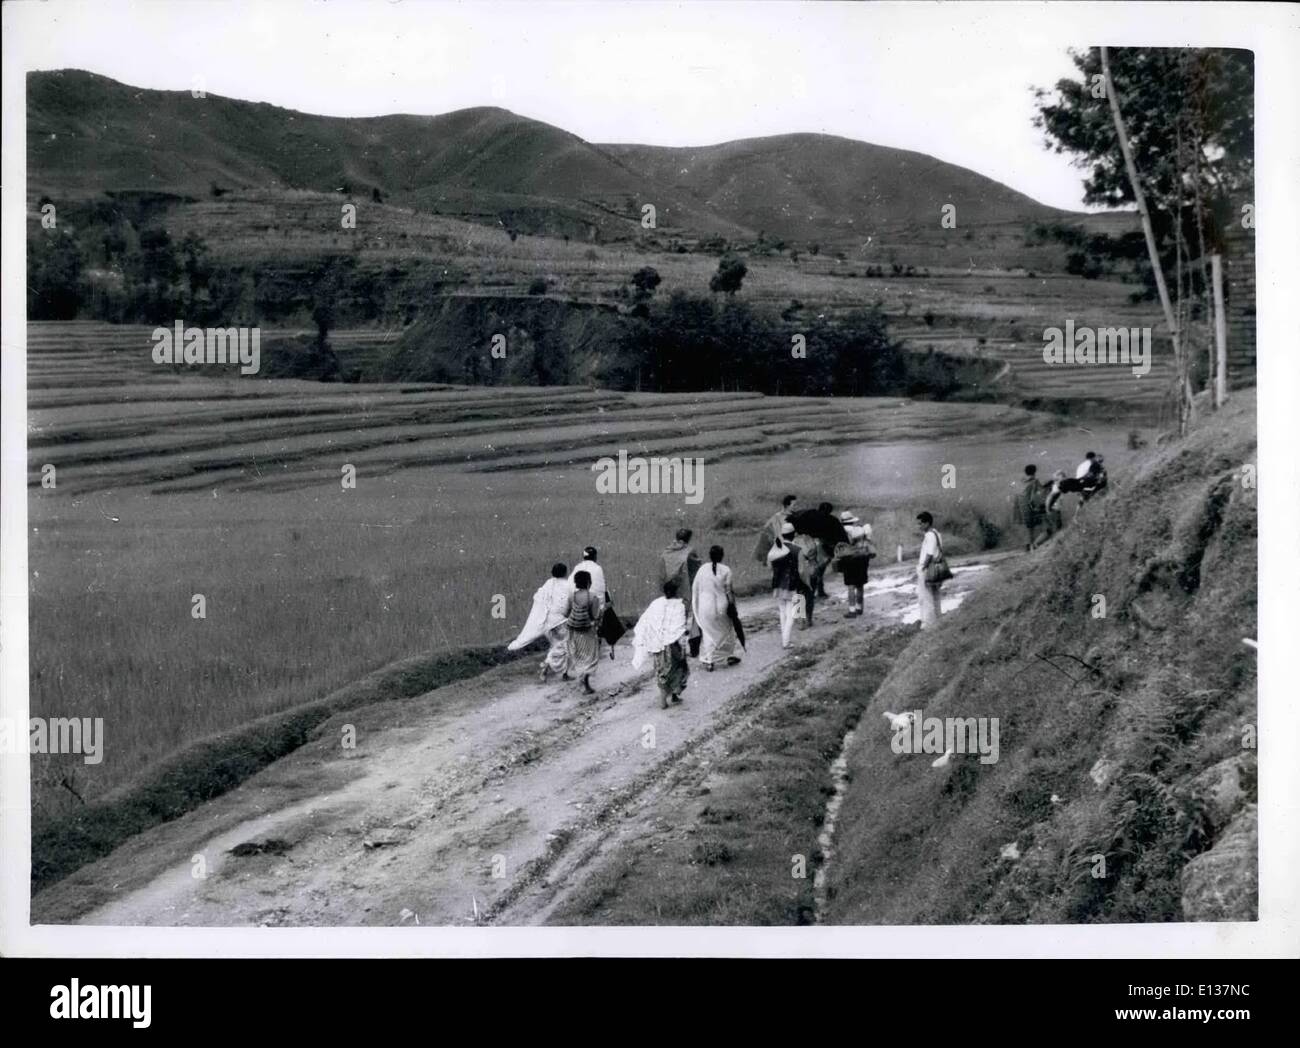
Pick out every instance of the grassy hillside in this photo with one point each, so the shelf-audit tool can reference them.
(88, 135)
(1125, 788)
(794, 185)
(876, 203)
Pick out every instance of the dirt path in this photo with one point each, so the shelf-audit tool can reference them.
(483, 801)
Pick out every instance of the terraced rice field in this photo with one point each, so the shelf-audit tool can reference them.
(100, 409)
(170, 486)
(1016, 340)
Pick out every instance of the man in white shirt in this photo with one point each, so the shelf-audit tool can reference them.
(597, 573)
(927, 595)
(1085, 467)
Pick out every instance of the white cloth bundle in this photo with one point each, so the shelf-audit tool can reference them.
(550, 608)
(661, 624)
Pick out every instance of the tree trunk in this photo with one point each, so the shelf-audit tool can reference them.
(1140, 199)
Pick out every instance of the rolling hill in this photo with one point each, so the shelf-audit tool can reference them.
(88, 134)
(791, 185)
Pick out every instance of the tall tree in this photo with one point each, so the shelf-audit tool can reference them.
(1188, 117)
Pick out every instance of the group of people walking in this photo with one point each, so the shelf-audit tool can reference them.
(573, 611)
(819, 539)
(695, 614)
(1038, 504)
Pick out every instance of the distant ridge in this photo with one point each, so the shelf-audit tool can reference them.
(89, 134)
(787, 184)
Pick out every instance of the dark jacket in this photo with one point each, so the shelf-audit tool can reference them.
(785, 570)
(1029, 503)
(679, 561)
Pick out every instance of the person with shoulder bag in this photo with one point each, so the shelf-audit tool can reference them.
(932, 571)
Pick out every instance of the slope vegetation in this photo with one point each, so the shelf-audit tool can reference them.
(1125, 787)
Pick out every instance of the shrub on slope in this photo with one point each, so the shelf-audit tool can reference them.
(1126, 772)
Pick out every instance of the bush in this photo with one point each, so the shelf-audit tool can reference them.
(539, 286)
(731, 271)
(645, 280)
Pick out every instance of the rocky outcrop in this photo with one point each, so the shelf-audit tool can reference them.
(1222, 884)
(1221, 790)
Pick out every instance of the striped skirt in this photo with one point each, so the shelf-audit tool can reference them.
(584, 651)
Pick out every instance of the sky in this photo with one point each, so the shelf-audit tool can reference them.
(950, 80)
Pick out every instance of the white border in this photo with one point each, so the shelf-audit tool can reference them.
(1272, 31)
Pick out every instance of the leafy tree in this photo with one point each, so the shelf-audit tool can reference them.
(54, 264)
(1170, 130)
(731, 272)
(645, 280)
(1190, 118)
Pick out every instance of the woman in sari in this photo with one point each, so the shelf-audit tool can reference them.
(661, 632)
(549, 619)
(711, 596)
(583, 640)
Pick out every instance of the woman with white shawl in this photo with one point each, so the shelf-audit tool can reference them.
(711, 596)
(549, 619)
(661, 632)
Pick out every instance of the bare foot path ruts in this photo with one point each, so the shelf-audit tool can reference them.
(481, 801)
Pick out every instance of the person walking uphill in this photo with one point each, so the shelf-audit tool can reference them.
(854, 560)
(772, 529)
(931, 571)
(1029, 506)
(712, 601)
(679, 563)
(820, 554)
(786, 582)
(1052, 506)
(549, 618)
(583, 640)
(609, 628)
(661, 632)
(597, 573)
